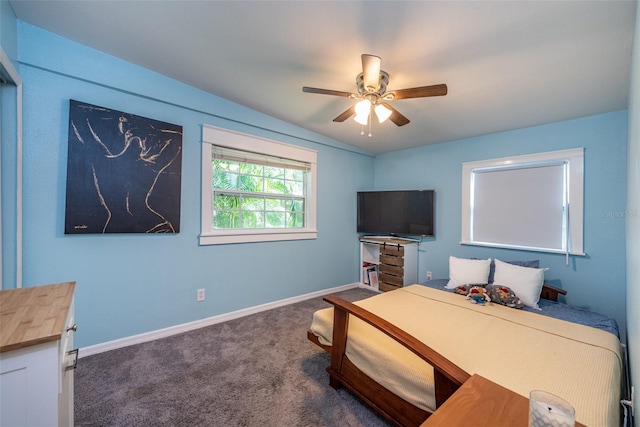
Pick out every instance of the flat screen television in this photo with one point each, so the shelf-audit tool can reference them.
(399, 212)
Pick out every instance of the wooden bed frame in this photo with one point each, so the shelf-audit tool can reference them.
(343, 373)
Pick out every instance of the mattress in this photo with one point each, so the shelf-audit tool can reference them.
(519, 350)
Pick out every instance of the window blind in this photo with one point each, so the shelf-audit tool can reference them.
(229, 154)
(520, 206)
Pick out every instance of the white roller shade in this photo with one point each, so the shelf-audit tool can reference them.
(520, 206)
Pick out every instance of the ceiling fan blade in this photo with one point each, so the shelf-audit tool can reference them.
(371, 72)
(421, 92)
(344, 116)
(326, 91)
(395, 116)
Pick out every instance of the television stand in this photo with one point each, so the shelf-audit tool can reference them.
(388, 262)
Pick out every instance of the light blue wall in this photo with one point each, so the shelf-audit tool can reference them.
(633, 219)
(597, 281)
(130, 284)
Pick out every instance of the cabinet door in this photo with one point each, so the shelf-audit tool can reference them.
(396, 270)
(391, 279)
(29, 386)
(393, 250)
(391, 260)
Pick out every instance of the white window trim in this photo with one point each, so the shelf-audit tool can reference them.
(575, 160)
(222, 137)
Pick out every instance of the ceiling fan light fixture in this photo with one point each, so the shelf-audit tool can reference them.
(363, 109)
(361, 118)
(382, 112)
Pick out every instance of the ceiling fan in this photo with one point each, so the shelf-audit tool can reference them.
(372, 93)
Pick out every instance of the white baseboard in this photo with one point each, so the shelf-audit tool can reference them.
(185, 327)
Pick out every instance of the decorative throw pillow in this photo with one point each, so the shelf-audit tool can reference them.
(524, 281)
(463, 271)
(504, 295)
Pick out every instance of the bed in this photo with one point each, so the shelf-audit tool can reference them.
(408, 350)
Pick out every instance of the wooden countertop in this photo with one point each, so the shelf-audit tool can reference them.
(34, 315)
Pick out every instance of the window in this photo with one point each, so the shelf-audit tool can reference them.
(532, 202)
(255, 190)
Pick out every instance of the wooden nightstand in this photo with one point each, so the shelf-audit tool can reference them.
(482, 403)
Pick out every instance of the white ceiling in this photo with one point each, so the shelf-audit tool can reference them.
(507, 64)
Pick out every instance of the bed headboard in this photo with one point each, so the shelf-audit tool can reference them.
(551, 292)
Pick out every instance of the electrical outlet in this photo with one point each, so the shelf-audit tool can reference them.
(429, 275)
(200, 296)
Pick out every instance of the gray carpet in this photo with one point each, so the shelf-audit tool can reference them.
(259, 370)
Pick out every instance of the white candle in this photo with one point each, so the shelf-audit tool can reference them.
(548, 410)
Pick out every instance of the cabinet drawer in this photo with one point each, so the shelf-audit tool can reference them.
(391, 279)
(391, 260)
(394, 250)
(396, 270)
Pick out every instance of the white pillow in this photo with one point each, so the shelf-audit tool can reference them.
(525, 282)
(467, 271)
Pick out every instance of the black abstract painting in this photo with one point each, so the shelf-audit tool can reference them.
(123, 173)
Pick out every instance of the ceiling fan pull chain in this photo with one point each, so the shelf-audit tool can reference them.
(370, 126)
(362, 130)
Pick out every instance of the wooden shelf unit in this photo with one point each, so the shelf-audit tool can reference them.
(395, 260)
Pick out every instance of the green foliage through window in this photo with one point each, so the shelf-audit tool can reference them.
(250, 195)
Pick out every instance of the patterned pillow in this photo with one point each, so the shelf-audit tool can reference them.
(504, 295)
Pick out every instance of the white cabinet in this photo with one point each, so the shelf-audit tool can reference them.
(36, 358)
(388, 263)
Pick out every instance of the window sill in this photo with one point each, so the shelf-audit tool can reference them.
(523, 248)
(253, 236)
